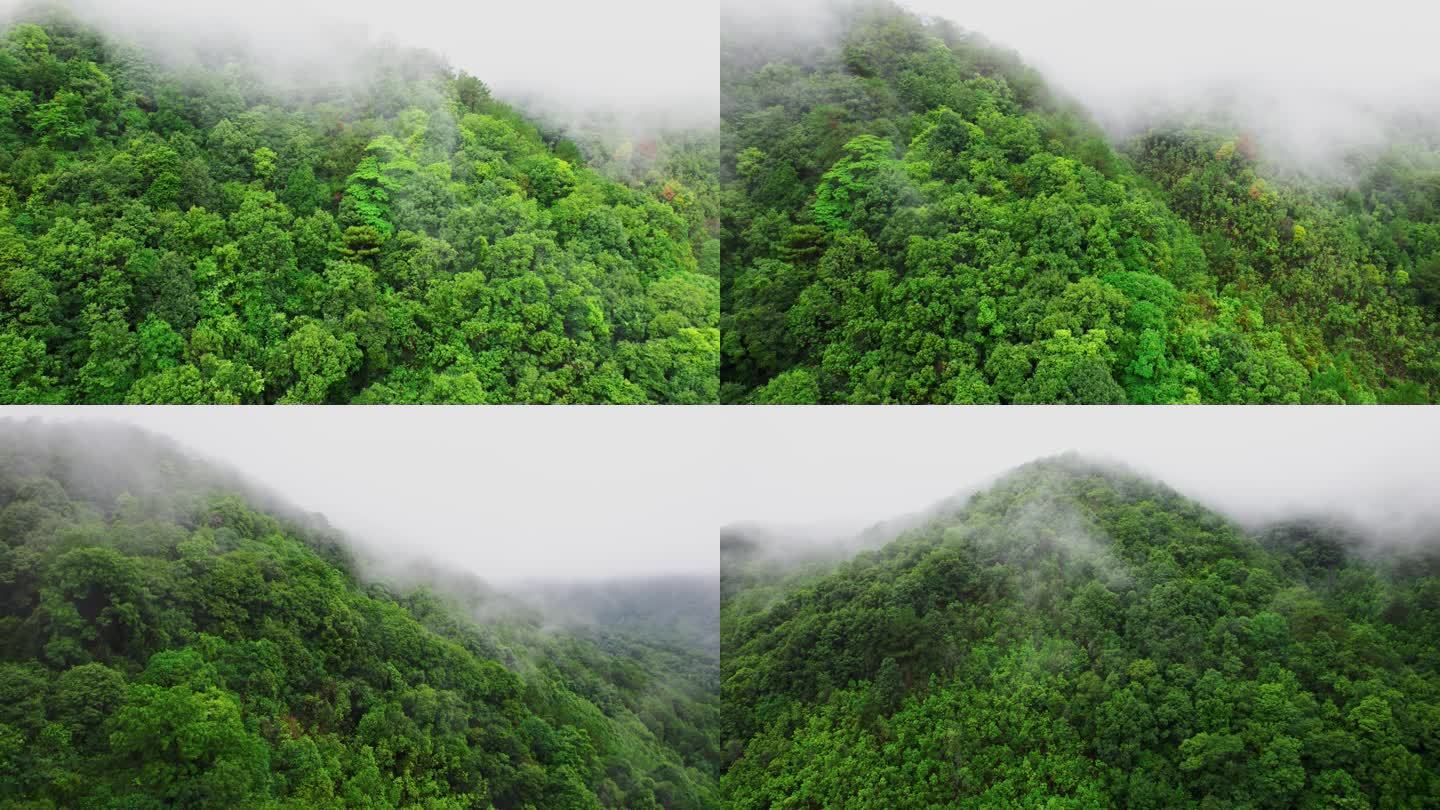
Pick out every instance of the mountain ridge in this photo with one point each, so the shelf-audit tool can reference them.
(1058, 641)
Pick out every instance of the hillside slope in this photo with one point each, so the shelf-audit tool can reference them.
(1076, 636)
(169, 638)
(198, 231)
(912, 215)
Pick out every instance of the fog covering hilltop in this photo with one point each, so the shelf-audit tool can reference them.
(171, 635)
(568, 61)
(101, 461)
(114, 466)
(1381, 521)
(1320, 90)
(1079, 633)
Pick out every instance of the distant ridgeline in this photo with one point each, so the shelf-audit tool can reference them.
(164, 644)
(912, 216)
(201, 234)
(1078, 637)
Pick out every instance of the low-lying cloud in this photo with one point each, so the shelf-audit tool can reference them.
(507, 495)
(838, 470)
(641, 63)
(1309, 82)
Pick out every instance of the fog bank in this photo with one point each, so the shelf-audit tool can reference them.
(645, 63)
(1309, 82)
(509, 495)
(844, 469)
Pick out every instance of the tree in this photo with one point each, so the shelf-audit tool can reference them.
(852, 182)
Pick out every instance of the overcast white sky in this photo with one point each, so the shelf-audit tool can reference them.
(860, 465)
(564, 493)
(1308, 78)
(1294, 66)
(646, 59)
(507, 493)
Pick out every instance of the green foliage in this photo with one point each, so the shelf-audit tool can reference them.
(171, 235)
(851, 182)
(911, 217)
(1076, 636)
(170, 639)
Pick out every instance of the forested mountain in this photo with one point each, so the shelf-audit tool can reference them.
(912, 215)
(173, 637)
(1077, 636)
(195, 230)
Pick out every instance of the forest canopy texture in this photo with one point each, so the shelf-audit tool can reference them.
(912, 216)
(171, 637)
(1078, 637)
(192, 230)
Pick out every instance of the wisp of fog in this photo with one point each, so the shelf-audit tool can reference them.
(1311, 83)
(643, 64)
(821, 475)
(507, 495)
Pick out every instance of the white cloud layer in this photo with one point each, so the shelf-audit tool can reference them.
(1311, 78)
(647, 61)
(850, 467)
(525, 493)
(522, 493)
(1309, 81)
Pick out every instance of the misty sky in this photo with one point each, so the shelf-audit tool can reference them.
(853, 466)
(507, 493)
(1301, 65)
(646, 60)
(1307, 79)
(587, 493)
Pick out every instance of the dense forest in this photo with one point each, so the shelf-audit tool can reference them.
(193, 230)
(911, 215)
(1077, 636)
(172, 636)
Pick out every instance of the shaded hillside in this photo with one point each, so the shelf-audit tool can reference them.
(683, 609)
(1076, 636)
(168, 642)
